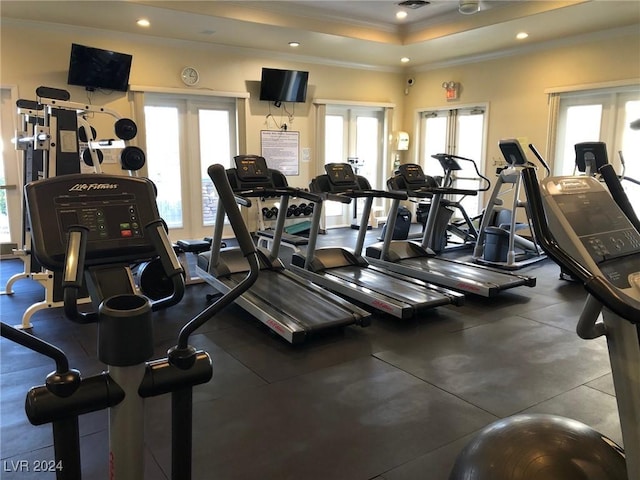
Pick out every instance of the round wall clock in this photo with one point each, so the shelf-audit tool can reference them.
(189, 76)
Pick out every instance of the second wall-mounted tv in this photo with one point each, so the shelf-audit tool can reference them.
(283, 85)
(95, 68)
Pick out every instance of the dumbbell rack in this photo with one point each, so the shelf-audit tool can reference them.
(263, 222)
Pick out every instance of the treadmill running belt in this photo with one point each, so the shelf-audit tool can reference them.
(403, 290)
(292, 299)
(464, 272)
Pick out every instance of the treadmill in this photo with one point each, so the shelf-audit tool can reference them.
(416, 260)
(290, 305)
(346, 271)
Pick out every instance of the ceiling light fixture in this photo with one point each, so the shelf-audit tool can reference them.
(143, 22)
(413, 4)
(405, 59)
(294, 44)
(401, 14)
(469, 7)
(522, 35)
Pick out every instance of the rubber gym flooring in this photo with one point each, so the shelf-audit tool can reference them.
(393, 401)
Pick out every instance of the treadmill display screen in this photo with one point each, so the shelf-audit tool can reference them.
(412, 173)
(340, 174)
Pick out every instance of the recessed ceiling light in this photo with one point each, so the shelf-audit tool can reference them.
(143, 22)
(405, 59)
(522, 35)
(469, 7)
(294, 44)
(401, 14)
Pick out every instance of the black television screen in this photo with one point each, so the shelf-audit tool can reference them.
(283, 85)
(96, 68)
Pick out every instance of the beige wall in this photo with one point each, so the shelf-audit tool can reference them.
(33, 55)
(514, 86)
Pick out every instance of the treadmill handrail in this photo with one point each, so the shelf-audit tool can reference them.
(393, 195)
(279, 191)
(604, 291)
(240, 200)
(430, 191)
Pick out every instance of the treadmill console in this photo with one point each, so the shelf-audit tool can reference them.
(251, 168)
(252, 174)
(592, 155)
(513, 153)
(412, 174)
(447, 162)
(115, 209)
(341, 174)
(599, 225)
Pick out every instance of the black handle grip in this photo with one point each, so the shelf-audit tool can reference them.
(170, 264)
(73, 274)
(37, 345)
(619, 195)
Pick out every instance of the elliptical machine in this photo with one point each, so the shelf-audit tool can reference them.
(91, 227)
(438, 224)
(498, 245)
(602, 250)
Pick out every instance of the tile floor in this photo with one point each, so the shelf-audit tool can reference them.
(394, 401)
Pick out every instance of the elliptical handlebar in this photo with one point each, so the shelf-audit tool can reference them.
(544, 164)
(619, 195)
(598, 286)
(228, 199)
(441, 156)
(218, 175)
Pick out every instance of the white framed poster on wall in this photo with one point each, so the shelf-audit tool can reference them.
(281, 150)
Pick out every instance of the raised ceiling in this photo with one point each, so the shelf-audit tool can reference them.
(358, 33)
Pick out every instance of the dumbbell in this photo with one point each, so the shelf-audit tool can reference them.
(274, 211)
(308, 210)
(290, 210)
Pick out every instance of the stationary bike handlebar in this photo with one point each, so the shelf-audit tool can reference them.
(602, 290)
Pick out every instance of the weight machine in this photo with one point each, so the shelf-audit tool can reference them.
(51, 129)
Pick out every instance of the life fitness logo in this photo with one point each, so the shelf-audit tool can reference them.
(86, 187)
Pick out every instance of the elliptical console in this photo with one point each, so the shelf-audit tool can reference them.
(113, 209)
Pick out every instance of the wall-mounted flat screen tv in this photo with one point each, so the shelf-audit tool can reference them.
(283, 85)
(95, 68)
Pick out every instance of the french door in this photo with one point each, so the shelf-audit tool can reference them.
(10, 182)
(184, 137)
(457, 132)
(354, 135)
(604, 116)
